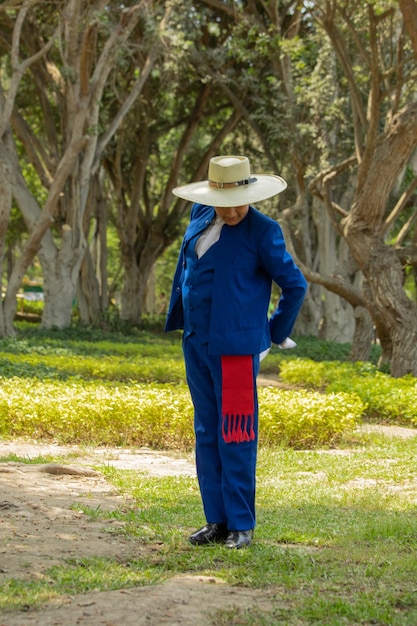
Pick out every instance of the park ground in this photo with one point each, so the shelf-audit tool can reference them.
(39, 528)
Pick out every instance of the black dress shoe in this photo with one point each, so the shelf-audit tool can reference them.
(210, 533)
(238, 539)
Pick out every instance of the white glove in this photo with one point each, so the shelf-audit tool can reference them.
(263, 354)
(287, 343)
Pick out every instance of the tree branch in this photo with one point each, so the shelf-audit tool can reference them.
(193, 123)
(334, 283)
(201, 170)
(409, 10)
(320, 187)
(373, 102)
(390, 156)
(403, 232)
(400, 205)
(18, 69)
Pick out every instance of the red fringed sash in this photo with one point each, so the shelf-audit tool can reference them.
(237, 399)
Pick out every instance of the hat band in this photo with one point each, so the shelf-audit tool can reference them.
(239, 183)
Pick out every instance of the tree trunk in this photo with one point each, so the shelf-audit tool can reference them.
(137, 282)
(409, 11)
(302, 242)
(100, 252)
(338, 323)
(61, 270)
(150, 291)
(394, 315)
(132, 295)
(5, 207)
(335, 283)
(88, 292)
(363, 336)
(57, 311)
(404, 352)
(386, 279)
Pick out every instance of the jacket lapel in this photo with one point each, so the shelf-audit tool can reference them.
(199, 223)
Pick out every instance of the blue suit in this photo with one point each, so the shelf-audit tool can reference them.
(221, 302)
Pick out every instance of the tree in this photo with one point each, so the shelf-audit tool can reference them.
(358, 166)
(380, 99)
(10, 168)
(162, 138)
(278, 82)
(68, 76)
(5, 208)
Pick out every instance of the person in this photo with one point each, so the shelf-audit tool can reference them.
(221, 293)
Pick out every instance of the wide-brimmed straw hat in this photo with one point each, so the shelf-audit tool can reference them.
(230, 183)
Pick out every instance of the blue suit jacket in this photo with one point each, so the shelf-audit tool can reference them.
(249, 256)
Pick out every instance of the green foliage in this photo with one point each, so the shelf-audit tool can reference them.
(306, 419)
(314, 349)
(110, 389)
(385, 398)
(308, 373)
(138, 368)
(28, 308)
(93, 354)
(159, 416)
(95, 387)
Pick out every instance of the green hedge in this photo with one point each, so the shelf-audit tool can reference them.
(158, 415)
(306, 419)
(96, 413)
(95, 387)
(386, 399)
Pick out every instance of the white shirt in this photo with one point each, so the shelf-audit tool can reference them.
(210, 236)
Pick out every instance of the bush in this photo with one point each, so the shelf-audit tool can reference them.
(94, 387)
(387, 399)
(159, 416)
(314, 349)
(303, 419)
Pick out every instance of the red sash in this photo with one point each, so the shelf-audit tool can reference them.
(238, 406)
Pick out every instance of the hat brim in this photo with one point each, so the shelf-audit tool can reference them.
(263, 188)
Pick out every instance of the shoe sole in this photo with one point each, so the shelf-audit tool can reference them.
(236, 547)
(206, 543)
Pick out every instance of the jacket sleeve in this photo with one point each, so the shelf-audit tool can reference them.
(175, 315)
(280, 265)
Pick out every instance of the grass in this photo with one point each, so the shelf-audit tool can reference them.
(335, 542)
(336, 534)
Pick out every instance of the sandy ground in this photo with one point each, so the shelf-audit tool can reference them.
(39, 528)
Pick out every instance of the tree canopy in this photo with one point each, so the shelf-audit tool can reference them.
(105, 107)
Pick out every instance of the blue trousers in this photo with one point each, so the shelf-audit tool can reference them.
(226, 471)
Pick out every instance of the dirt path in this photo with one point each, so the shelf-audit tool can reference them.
(39, 528)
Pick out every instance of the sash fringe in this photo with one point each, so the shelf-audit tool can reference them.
(235, 428)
